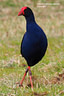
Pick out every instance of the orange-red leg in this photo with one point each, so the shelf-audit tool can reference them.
(30, 74)
(23, 77)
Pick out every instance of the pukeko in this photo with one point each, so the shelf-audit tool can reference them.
(34, 42)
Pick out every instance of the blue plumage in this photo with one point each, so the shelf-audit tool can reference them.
(34, 43)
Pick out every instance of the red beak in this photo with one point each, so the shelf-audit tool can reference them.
(20, 13)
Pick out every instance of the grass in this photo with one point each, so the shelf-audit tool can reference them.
(48, 74)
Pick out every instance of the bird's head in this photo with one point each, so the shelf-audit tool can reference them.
(25, 11)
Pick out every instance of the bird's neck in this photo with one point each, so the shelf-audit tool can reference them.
(30, 19)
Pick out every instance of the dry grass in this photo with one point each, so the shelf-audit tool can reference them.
(48, 75)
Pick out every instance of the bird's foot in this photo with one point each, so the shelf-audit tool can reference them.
(19, 85)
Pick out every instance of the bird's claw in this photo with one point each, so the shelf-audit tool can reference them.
(19, 85)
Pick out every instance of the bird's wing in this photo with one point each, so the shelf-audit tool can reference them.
(21, 44)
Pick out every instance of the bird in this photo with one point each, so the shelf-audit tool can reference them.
(34, 43)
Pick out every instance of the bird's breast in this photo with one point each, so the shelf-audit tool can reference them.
(34, 41)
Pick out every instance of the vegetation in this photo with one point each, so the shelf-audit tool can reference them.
(48, 74)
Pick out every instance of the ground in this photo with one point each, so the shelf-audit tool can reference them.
(48, 74)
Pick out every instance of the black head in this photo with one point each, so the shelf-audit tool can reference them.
(25, 11)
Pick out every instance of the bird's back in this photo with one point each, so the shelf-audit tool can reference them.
(34, 44)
